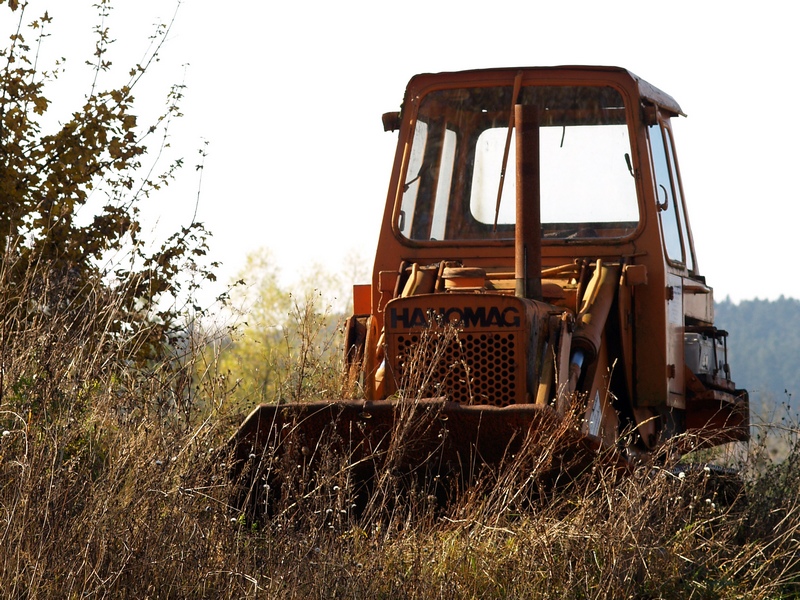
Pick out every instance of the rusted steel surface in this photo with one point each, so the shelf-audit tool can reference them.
(528, 231)
(430, 444)
(417, 431)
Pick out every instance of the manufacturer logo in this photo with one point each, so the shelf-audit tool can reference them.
(467, 317)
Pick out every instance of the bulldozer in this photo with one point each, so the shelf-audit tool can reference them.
(535, 262)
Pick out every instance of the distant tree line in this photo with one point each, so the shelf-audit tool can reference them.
(764, 348)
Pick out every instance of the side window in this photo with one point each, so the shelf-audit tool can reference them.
(687, 247)
(423, 211)
(668, 200)
(414, 174)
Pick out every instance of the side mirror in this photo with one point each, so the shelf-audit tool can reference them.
(391, 121)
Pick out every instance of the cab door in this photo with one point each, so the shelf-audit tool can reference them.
(678, 252)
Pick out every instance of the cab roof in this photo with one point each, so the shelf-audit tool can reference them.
(419, 84)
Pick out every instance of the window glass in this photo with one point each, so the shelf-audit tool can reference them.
(665, 196)
(457, 157)
(443, 185)
(411, 190)
(584, 176)
(679, 202)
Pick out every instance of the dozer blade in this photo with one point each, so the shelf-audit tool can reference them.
(419, 438)
(419, 430)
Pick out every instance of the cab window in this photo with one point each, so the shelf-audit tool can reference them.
(458, 152)
(669, 199)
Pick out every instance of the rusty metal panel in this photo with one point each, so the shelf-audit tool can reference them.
(698, 301)
(485, 356)
(675, 330)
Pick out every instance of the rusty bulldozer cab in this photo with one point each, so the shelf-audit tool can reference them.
(535, 260)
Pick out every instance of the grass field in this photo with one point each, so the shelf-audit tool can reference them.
(113, 485)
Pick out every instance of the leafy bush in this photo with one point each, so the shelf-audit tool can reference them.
(52, 261)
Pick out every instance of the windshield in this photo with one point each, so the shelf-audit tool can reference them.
(457, 156)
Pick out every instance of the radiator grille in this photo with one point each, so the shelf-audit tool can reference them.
(471, 368)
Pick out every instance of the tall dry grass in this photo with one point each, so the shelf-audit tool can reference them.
(113, 485)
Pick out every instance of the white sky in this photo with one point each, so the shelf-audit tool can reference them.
(289, 96)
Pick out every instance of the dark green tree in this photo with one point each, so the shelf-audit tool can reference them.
(763, 346)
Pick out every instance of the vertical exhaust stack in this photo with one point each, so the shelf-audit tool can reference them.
(528, 231)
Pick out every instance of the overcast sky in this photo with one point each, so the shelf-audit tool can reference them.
(289, 97)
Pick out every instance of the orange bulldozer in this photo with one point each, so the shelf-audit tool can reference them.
(535, 278)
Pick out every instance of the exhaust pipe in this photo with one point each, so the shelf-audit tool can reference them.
(528, 229)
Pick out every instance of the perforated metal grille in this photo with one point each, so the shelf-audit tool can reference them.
(474, 368)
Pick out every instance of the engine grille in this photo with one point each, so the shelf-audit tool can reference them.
(470, 368)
